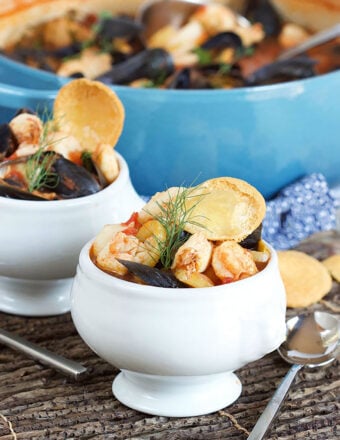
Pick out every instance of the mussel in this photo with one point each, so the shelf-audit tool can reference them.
(73, 180)
(251, 242)
(188, 78)
(109, 28)
(15, 192)
(207, 76)
(151, 275)
(285, 70)
(151, 63)
(223, 40)
(61, 177)
(24, 110)
(262, 11)
(8, 142)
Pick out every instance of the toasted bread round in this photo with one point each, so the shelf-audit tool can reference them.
(159, 202)
(312, 14)
(228, 209)
(306, 279)
(333, 265)
(90, 111)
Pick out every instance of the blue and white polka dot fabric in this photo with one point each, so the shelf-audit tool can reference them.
(299, 210)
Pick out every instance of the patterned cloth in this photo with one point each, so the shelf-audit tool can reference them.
(299, 210)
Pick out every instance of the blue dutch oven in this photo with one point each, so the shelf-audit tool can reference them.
(266, 135)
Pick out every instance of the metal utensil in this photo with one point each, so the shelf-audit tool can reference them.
(155, 14)
(315, 40)
(63, 365)
(311, 340)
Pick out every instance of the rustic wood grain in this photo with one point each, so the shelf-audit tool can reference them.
(39, 403)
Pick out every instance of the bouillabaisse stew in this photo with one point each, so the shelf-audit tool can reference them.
(65, 155)
(211, 49)
(200, 236)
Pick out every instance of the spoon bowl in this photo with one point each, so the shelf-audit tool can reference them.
(312, 340)
(155, 14)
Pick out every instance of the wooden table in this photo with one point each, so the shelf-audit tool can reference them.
(39, 403)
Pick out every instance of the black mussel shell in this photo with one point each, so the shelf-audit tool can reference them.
(8, 142)
(151, 64)
(252, 240)
(14, 192)
(72, 180)
(65, 51)
(24, 110)
(285, 70)
(223, 40)
(151, 275)
(40, 56)
(76, 75)
(118, 27)
(189, 78)
(261, 11)
(181, 80)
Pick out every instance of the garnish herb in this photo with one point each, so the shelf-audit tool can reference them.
(204, 56)
(173, 217)
(38, 167)
(86, 159)
(38, 171)
(224, 69)
(156, 82)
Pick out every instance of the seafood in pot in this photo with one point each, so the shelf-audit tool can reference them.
(211, 48)
(66, 155)
(198, 237)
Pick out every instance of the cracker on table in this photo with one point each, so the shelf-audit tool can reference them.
(306, 279)
(332, 263)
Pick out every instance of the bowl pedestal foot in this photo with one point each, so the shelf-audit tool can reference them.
(35, 297)
(176, 396)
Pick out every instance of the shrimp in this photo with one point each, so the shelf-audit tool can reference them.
(91, 64)
(64, 144)
(194, 255)
(106, 160)
(181, 40)
(215, 18)
(27, 128)
(125, 247)
(118, 243)
(231, 262)
(25, 149)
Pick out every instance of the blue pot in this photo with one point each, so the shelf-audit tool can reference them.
(268, 135)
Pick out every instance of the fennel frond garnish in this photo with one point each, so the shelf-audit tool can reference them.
(38, 171)
(173, 217)
(38, 167)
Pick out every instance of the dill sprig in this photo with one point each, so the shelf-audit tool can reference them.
(174, 216)
(38, 167)
(38, 171)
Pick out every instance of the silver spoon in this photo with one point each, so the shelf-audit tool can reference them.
(315, 40)
(63, 365)
(155, 14)
(311, 340)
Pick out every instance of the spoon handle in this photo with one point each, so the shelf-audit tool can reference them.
(274, 405)
(317, 39)
(65, 366)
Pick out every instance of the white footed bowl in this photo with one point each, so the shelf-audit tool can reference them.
(177, 348)
(40, 242)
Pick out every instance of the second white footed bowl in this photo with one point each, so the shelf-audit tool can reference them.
(41, 242)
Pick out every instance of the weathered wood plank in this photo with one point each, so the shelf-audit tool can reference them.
(39, 403)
